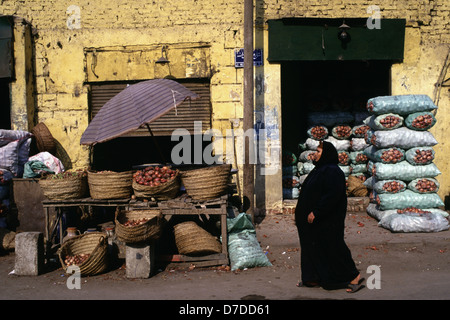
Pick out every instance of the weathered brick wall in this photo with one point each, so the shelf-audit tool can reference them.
(61, 34)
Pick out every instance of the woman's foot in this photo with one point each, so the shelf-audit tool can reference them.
(355, 284)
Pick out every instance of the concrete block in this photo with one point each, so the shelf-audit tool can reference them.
(29, 253)
(139, 260)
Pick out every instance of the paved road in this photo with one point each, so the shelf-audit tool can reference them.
(413, 266)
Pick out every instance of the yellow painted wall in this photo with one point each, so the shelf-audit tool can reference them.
(127, 36)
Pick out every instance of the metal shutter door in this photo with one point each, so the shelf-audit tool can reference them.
(183, 117)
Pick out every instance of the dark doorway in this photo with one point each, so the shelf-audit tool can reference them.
(5, 106)
(323, 86)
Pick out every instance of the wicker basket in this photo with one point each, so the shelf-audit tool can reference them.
(93, 243)
(150, 230)
(110, 184)
(44, 139)
(191, 239)
(206, 183)
(74, 187)
(165, 191)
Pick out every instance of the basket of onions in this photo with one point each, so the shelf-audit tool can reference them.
(159, 183)
(88, 251)
(133, 226)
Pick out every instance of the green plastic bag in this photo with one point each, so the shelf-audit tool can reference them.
(407, 199)
(420, 155)
(35, 168)
(400, 104)
(404, 171)
(243, 246)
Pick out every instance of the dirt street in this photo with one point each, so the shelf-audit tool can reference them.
(413, 266)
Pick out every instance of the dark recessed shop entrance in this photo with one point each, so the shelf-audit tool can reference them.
(327, 86)
(329, 67)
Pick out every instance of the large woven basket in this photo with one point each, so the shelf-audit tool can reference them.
(206, 183)
(150, 230)
(92, 243)
(165, 191)
(44, 139)
(110, 184)
(74, 187)
(191, 239)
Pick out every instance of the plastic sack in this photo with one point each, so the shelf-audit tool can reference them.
(404, 171)
(317, 132)
(5, 176)
(358, 168)
(53, 163)
(7, 136)
(307, 156)
(35, 169)
(329, 119)
(358, 144)
(343, 145)
(344, 158)
(407, 199)
(403, 138)
(299, 168)
(389, 186)
(291, 193)
(360, 131)
(243, 246)
(412, 222)
(424, 185)
(388, 121)
(358, 157)
(388, 155)
(400, 104)
(420, 155)
(342, 132)
(308, 167)
(420, 121)
(289, 158)
(312, 144)
(373, 211)
(291, 181)
(346, 169)
(370, 182)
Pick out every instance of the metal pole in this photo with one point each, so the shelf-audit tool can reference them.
(248, 175)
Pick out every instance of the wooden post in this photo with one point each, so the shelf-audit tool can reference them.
(248, 174)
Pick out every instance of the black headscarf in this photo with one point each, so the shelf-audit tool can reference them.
(329, 155)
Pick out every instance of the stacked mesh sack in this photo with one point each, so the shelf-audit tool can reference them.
(14, 152)
(404, 187)
(345, 131)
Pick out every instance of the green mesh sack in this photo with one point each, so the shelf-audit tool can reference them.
(404, 171)
(424, 185)
(387, 155)
(388, 121)
(408, 199)
(400, 104)
(420, 121)
(420, 155)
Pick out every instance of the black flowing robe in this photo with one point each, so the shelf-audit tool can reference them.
(325, 257)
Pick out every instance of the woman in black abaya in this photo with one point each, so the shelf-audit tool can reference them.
(326, 260)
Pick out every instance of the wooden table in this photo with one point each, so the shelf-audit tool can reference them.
(182, 205)
(59, 204)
